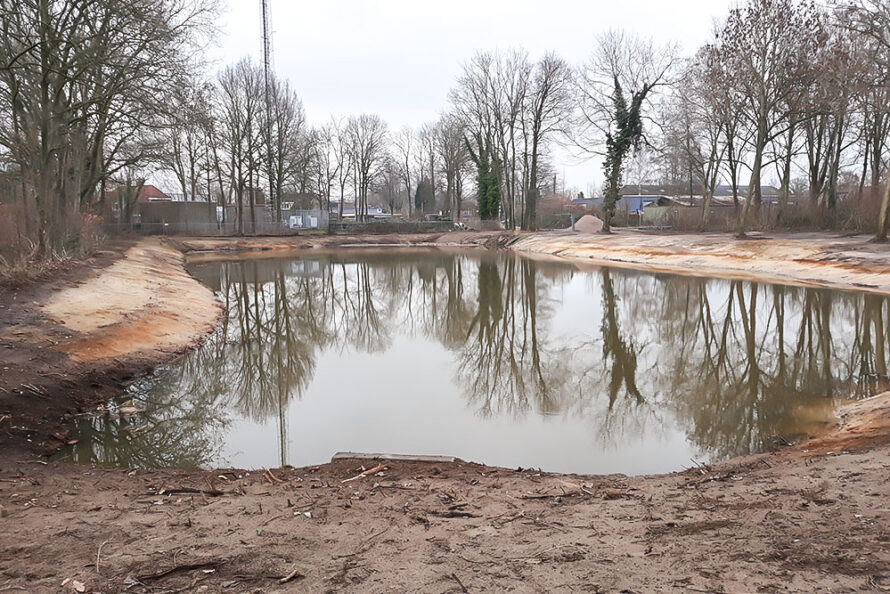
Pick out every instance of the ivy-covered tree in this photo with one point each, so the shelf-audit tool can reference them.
(615, 88)
(619, 143)
(488, 191)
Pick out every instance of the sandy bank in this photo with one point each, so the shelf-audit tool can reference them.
(70, 341)
(144, 305)
(214, 248)
(812, 259)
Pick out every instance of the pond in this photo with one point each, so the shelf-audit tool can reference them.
(496, 358)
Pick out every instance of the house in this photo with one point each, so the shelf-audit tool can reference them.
(109, 206)
(374, 212)
(147, 193)
(298, 201)
(769, 194)
(180, 197)
(633, 204)
(587, 202)
(660, 190)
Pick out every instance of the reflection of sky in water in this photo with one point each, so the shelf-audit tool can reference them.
(497, 359)
(382, 405)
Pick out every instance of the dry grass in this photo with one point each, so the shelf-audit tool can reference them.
(23, 269)
(855, 216)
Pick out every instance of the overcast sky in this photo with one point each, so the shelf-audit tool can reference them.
(399, 58)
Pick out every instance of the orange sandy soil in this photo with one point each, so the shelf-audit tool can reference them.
(814, 517)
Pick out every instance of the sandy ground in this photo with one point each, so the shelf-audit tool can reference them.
(818, 260)
(809, 518)
(143, 305)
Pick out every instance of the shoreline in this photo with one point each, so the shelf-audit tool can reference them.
(850, 263)
(156, 310)
(90, 340)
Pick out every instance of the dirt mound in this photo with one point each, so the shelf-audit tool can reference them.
(588, 224)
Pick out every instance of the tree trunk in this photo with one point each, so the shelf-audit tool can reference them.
(885, 205)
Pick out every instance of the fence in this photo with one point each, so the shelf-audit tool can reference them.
(202, 229)
(198, 219)
(346, 228)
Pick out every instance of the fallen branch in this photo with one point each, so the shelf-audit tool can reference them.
(272, 478)
(374, 470)
(188, 490)
(98, 554)
(460, 583)
(292, 575)
(177, 568)
(452, 514)
(559, 496)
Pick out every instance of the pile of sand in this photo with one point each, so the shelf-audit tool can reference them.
(588, 224)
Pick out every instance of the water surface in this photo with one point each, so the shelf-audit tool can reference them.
(496, 358)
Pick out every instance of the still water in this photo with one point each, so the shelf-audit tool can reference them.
(495, 358)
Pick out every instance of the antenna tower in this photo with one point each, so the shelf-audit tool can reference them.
(267, 75)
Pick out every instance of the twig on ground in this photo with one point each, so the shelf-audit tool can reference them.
(292, 575)
(188, 490)
(98, 555)
(559, 496)
(176, 568)
(460, 583)
(272, 478)
(451, 513)
(374, 470)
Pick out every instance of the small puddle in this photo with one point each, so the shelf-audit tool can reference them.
(495, 358)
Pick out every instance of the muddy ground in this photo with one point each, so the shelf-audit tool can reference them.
(808, 518)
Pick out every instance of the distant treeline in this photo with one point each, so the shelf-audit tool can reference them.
(101, 95)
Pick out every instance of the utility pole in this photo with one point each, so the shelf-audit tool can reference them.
(267, 72)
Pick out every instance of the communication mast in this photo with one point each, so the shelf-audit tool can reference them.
(267, 75)
(274, 202)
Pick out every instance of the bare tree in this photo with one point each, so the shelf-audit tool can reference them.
(290, 153)
(367, 140)
(389, 185)
(827, 111)
(454, 158)
(698, 129)
(871, 19)
(547, 110)
(405, 146)
(489, 97)
(78, 81)
(766, 46)
(327, 168)
(427, 163)
(241, 105)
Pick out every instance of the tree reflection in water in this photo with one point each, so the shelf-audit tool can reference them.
(734, 365)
